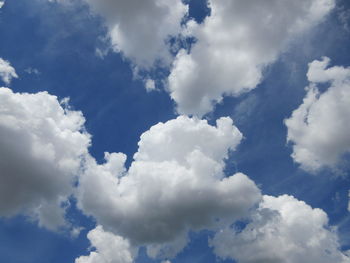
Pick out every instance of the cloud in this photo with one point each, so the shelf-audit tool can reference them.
(140, 30)
(150, 85)
(42, 143)
(175, 184)
(109, 248)
(31, 70)
(234, 44)
(282, 229)
(7, 72)
(318, 128)
(2, 3)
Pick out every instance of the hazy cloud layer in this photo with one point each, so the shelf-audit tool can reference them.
(319, 128)
(234, 45)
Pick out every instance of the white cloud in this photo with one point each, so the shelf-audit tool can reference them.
(75, 231)
(2, 3)
(140, 29)
(7, 72)
(234, 45)
(175, 184)
(109, 248)
(41, 147)
(150, 85)
(282, 229)
(319, 128)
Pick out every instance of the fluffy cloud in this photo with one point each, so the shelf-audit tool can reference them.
(2, 3)
(175, 184)
(41, 146)
(140, 30)
(282, 229)
(7, 72)
(234, 45)
(109, 248)
(319, 128)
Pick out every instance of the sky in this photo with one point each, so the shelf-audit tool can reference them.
(174, 131)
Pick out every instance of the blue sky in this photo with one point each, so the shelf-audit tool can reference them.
(56, 47)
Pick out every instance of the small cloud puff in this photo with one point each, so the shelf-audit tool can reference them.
(7, 72)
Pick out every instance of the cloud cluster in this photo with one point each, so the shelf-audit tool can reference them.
(7, 72)
(140, 30)
(234, 44)
(319, 127)
(42, 143)
(175, 184)
(282, 229)
(109, 248)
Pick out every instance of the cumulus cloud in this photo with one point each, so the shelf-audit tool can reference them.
(41, 147)
(282, 229)
(140, 30)
(234, 44)
(175, 184)
(109, 248)
(2, 3)
(319, 127)
(7, 72)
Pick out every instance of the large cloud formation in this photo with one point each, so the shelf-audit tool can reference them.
(42, 143)
(175, 184)
(7, 72)
(319, 127)
(234, 44)
(140, 30)
(282, 229)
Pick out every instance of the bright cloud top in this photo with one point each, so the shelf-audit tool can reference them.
(109, 248)
(282, 229)
(41, 146)
(175, 184)
(234, 45)
(319, 128)
(7, 72)
(140, 30)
